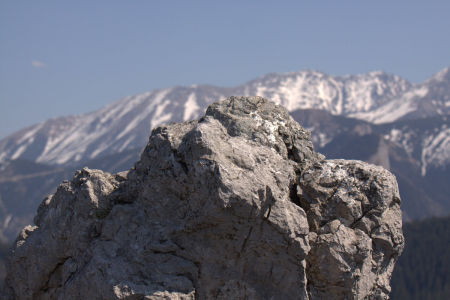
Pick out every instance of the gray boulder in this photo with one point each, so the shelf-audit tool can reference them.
(236, 205)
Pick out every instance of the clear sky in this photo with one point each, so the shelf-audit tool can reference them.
(70, 57)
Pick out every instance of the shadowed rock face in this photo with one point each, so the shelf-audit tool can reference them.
(236, 205)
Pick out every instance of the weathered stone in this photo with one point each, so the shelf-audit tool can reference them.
(236, 205)
(353, 210)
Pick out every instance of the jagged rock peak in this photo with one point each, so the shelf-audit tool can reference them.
(236, 205)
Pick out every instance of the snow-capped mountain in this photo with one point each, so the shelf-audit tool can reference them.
(376, 97)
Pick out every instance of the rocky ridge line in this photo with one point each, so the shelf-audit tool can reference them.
(236, 205)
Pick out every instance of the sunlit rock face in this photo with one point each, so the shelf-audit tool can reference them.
(236, 205)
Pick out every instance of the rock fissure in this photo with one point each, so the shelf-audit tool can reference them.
(55, 272)
(364, 215)
(244, 244)
(293, 195)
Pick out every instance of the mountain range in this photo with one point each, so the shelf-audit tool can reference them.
(376, 117)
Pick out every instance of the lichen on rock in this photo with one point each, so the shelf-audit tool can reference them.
(236, 205)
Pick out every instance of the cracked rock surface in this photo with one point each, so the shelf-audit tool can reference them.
(236, 205)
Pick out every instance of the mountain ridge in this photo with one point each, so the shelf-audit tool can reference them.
(126, 122)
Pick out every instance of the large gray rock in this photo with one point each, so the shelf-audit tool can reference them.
(236, 205)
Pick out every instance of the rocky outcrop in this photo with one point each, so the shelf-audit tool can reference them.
(236, 205)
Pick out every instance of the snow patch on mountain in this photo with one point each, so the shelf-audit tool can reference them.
(401, 139)
(394, 109)
(436, 150)
(191, 108)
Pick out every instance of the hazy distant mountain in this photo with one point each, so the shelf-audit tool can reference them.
(376, 97)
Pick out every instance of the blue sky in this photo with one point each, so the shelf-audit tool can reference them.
(70, 57)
